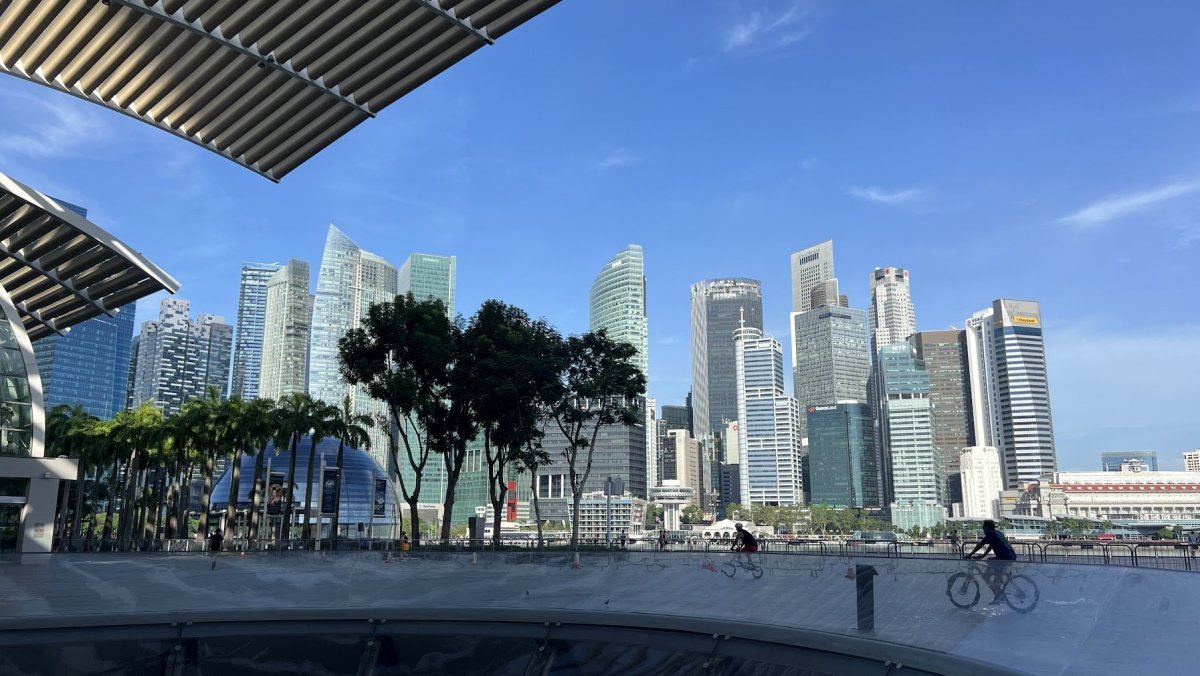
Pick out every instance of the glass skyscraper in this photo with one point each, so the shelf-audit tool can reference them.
(719, 308)
(769, 443)
(913, 470)
(286, 332)
(427, 276)
(179, 358)
(843, 470)
(829, 356)
(944, 354)
(252, 308)
(811, 268)
(89, 364)
(1110, 461)
(617, 302)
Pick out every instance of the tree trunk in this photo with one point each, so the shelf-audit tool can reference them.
(160, 502)
(286, 528)
(181, 503)
(235, 476)
(453, 465)
(308, 486)
(537, 508)
(125, 530)
(576, 498)
(337, 496)
(80, 486)
(414, 518)
(206, 496)
(60, 523)
(112, 500)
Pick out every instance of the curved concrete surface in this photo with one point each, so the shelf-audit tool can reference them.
(1069, 620)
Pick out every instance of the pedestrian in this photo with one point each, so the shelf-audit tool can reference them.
(214, 546)
(624, 537)
(662, 539)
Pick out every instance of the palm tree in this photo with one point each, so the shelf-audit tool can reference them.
(67, 433)
(237, 436)
(295, 419)
(349, 428)
(258, 426)
(322, 414)
(135, 432)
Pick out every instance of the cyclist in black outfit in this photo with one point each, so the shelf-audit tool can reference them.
(745, 543)
(995, 542)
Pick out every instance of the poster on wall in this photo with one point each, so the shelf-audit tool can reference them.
(329, 491)
(276, 493)
(379, 502)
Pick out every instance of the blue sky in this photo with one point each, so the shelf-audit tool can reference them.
(1029, 150)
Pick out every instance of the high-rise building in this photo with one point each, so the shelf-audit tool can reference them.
(653, 470)
(617, 302)
(88, 365)
(180, 358)
(719, 308)
(830, 362)
(981, 482)
(349, 281)
(678, 417)
(429, 276)
(1010, 395)
(810, 268)
(731, 474)
(891, 314)
(681, 462)
(769, 440)
(944, 354)
(1110, 461)
(1191, 461)
(252, 308)
(286, 328)
(912, 470)
(843, 469)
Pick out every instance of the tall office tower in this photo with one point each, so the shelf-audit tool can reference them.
(981, 482)
(731, 474)
(652, 468)
(286, 328)
(428, 276)
(179, 358)
(912, 469)
(1191, 461)
(252, 308)
(350, 280)
(681, 462)
(769, 435)
(1110, 461)
(843, 469)
(617, 302)
(1010, 395)
(677, 417)
(829, 356)
(944, 354)
(132, 371)
(826, 293)
(718, 308)
(892, 317)
(88, 365)
(810, 268)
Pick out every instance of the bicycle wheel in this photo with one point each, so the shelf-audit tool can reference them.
(756, 571)
(729, 569)
(1021, 594)
(963, 590)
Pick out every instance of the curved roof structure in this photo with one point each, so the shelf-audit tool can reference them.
(62, 269)
(265, 83)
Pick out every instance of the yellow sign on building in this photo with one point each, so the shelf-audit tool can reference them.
(1030, 321)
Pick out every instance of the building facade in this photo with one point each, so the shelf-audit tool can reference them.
(180, 358)
(429, 276)
(1010, 393)
(944, 354)
(829, 356)
(286, 332)
(681, 463)
(719, 308)
(912, 470)
(810, 268)
(349, 281)
(891, 312)
(843, 469)
(769, 441)
(982, 482)
(251, 314)
(617, 303)
(88, 365)
(1136, 494)
(1191, 461)
(1111, 461)
(601, 516)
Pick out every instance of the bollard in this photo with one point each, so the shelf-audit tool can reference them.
(864, 581)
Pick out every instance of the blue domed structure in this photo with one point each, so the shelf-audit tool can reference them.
(357, 488)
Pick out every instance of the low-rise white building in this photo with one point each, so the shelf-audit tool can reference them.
(628, 514)
(1134, 493)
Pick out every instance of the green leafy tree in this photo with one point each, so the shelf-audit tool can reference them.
(261, 422)
(322, 415)
(402, 354)
(134, 432)
(599, 386)
(692, 515)
(294, 418)
(737, 511)
(348, 428)
(820, 518)
(69, 431)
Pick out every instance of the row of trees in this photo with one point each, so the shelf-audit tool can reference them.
(816, 519)
(501, 379)
(141, 461)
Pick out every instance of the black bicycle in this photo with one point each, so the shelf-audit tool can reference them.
(731, 567)
(1018, 591)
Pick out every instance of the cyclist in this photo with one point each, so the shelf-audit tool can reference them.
(995, 542)
(745, 543)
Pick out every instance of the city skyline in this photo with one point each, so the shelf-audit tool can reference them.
(933, 179)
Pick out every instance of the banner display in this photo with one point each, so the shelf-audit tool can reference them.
(329, 491)
(379, 502)
(276, 493)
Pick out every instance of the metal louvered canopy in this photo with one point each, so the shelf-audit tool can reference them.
(61, 269)
(265, 83)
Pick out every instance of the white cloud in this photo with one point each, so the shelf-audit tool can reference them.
(878, 195)
(619, 157)
(1118, 206)
(760, 31)
(53, 127)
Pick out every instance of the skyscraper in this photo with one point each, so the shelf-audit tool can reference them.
(769, 442)
(944, 354)
(1010, 395)
(719, 307)
(89, 364)
(252, 308)
(350, 280)
(179, 358)
(677, 417)
(1110, 461)
(981, 482)
(912, 470)
(429, 276)
(286, 328)
(829, 356)
(681, 462)
(892, 316)
(843, 469)
(1191, 461)
(617, 302)
(810, 268)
